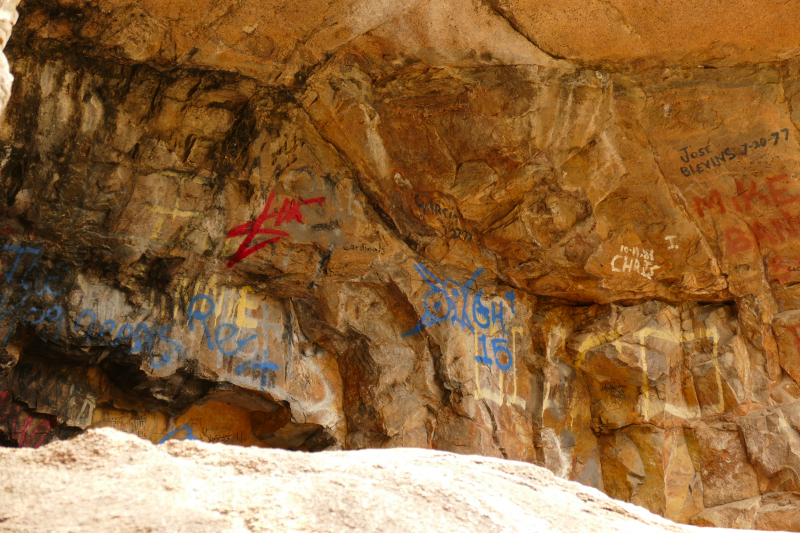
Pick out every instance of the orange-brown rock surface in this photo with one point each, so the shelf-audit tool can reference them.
(557, 232)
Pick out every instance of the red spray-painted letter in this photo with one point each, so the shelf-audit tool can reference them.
(290, 210)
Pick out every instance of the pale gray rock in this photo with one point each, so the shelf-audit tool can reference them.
(8, 17)
(105, 480)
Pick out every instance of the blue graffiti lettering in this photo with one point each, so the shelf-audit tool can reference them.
(485, 359)
(122, 336)
(34, 279)
(141, 337)
(28, 279)
(34, 310)
(149, 339)
(186, 427)
(62, 269)
(255, 365)
(55, 314)
(499, 346)
(163, 333)
(230, 336)
(260, 367)
(483, 316)
(499, 316)
(20, 250)
(91, 324)
(510, 296)
(107, 328)
(439, 287)
(195, 314)
(480, 310)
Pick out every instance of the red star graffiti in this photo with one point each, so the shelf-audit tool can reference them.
(290, 210)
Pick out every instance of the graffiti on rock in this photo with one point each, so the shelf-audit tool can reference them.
(227, 339)
(367, 248)
(141, 337)
(289, 211)
(28, 430)
(597, 339)
(28, 283)
(746, 195)
(448, 217)
(449, 299)
(508, 390)
(696, 164)
(186, 427)
(450, 292)
(175, 212)
(763, 141)
(627, 261)
(762, 233)
(35, 284)
(698, 167)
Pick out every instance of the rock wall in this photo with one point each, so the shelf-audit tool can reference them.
(459, 225)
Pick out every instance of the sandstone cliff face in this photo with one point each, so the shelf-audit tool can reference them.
(495, 227)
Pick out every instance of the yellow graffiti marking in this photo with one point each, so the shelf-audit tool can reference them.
(557, 331)
(679, 411)
(242, 320)
(187, 229)
(492, 332)
(514, 331)
(596, 340)
(684, 337)
(645, 386)
(175, 212)
(714, 335)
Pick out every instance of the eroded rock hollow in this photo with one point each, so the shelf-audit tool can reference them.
(561, 232)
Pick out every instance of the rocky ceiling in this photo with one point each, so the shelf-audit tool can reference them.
(560, 232)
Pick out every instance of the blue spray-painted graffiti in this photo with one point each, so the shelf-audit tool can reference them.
(154, 340)
(227, 338)
(233, 330)
(222, 338)
(510, 296)
(29, 277)
(483, 317)
(37, 284)
(256, 365)
(439, 287)
(34, 283)
(186, 427)
(260, 367)
(141, 338)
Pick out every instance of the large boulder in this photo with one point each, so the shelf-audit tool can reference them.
(106, 480)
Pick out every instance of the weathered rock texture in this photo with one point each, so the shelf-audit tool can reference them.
(107, 481)
(561, 232)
